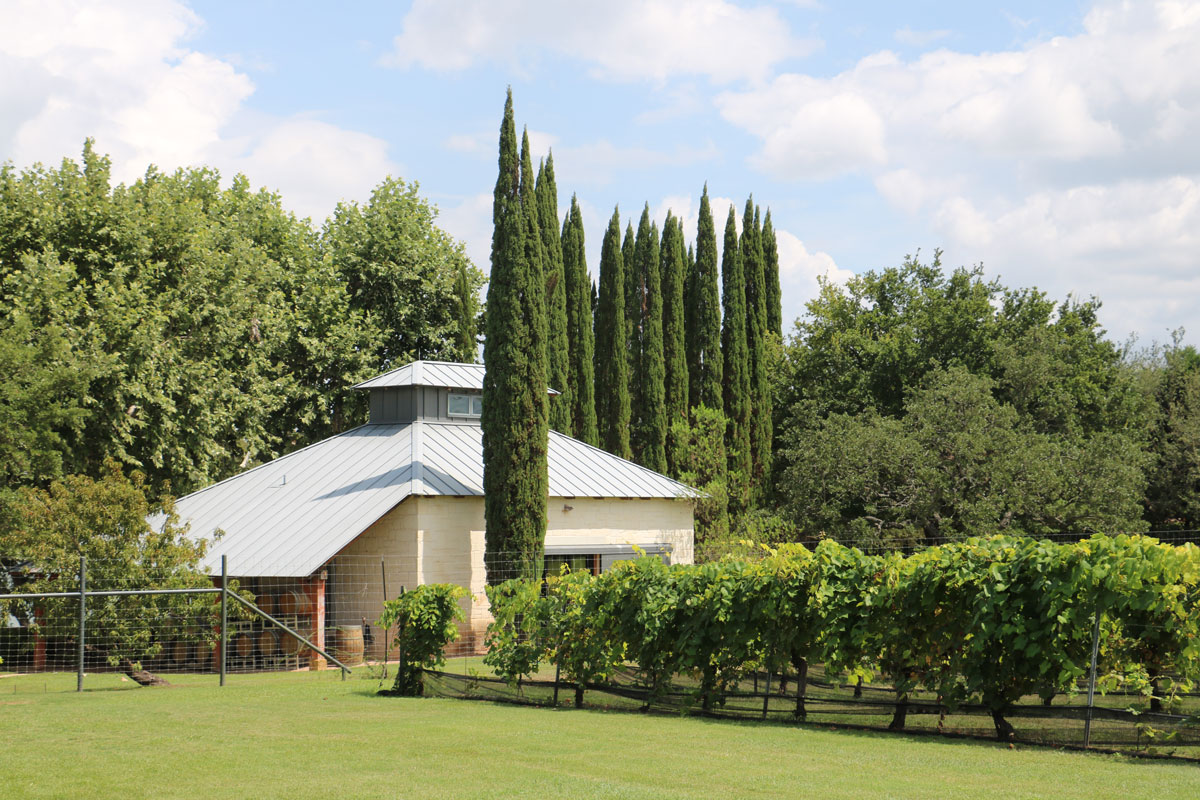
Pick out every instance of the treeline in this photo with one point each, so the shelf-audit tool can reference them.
(666, 361)
(987, 621)
(190, 331)
(918, 406)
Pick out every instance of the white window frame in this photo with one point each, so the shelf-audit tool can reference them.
(474, 405)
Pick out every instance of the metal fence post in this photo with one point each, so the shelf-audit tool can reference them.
(1087, 724)
(224, 616)
(82, 619)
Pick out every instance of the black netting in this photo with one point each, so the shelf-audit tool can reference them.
(1116, 724)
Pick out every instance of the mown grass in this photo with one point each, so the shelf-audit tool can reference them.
(312, 735)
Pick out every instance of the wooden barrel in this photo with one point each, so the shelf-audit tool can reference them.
(180, 652)
(289, 644)
(348, 644)
(266, 602)
(242, 645)
(294, 603)
(204, 651)
(268, 642)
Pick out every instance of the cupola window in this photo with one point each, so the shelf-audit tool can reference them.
(465, 405)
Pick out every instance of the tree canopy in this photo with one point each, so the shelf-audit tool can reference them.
(919, 406)
(190, 331)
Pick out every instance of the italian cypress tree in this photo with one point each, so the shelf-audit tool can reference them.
(467, 311)
(652, 428)
(771, 269)
(758, 348)
(581, 341)
(612, 364)
(633, 328)
(514, 421)
(675, 374)
(703, 316)
(557, 345)
(736, 383)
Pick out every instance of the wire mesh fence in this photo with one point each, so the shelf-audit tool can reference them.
(335, 611)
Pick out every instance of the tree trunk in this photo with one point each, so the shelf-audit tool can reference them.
(801, 687)
(858, 688)
(1004, 730)
(1155, 697)
(140, 676)
(708, 687)
(901, 713)
(579, 695)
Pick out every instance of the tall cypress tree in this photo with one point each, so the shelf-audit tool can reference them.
(557, 345)
(612, 365)
(515, 429)
(736, 384)
(757, 348)
(581, 340)
(675, 373)
(651, 432)
(703, 316)
(771, 270)
(633, 328)
(466, 310)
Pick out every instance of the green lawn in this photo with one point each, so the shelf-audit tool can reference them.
(311, 735)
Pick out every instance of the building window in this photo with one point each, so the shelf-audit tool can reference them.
(581, 562)
(465, 405)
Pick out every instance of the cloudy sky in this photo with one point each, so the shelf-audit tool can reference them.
(1056, 143)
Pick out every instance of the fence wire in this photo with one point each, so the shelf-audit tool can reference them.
(338, 608)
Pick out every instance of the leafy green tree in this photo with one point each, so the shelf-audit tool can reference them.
(425, 621)
(736, 384)
(704, 466)
(1173, 493)
(1037, 376)
(612, 378)
(580, 333)
(42, 395)
(675, 373)
(557, 345)
(651, 432)
(399, 268)
(957, 464)
(208, 328)
(515, 426)
(702, 315)
(105, 521)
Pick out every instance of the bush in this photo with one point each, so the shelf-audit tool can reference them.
(425, 620)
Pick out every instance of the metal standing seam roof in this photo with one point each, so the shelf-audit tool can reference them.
(288, 517)
(443, 374)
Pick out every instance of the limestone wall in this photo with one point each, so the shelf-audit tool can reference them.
(441, 540)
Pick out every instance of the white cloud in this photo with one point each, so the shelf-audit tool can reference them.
(621, 39)
(908, 36)
(799, 275)
(1069, 163)
(471, 222)
(123, 74)
(597, 163)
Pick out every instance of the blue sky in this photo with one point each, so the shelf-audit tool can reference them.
(1055, 143)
